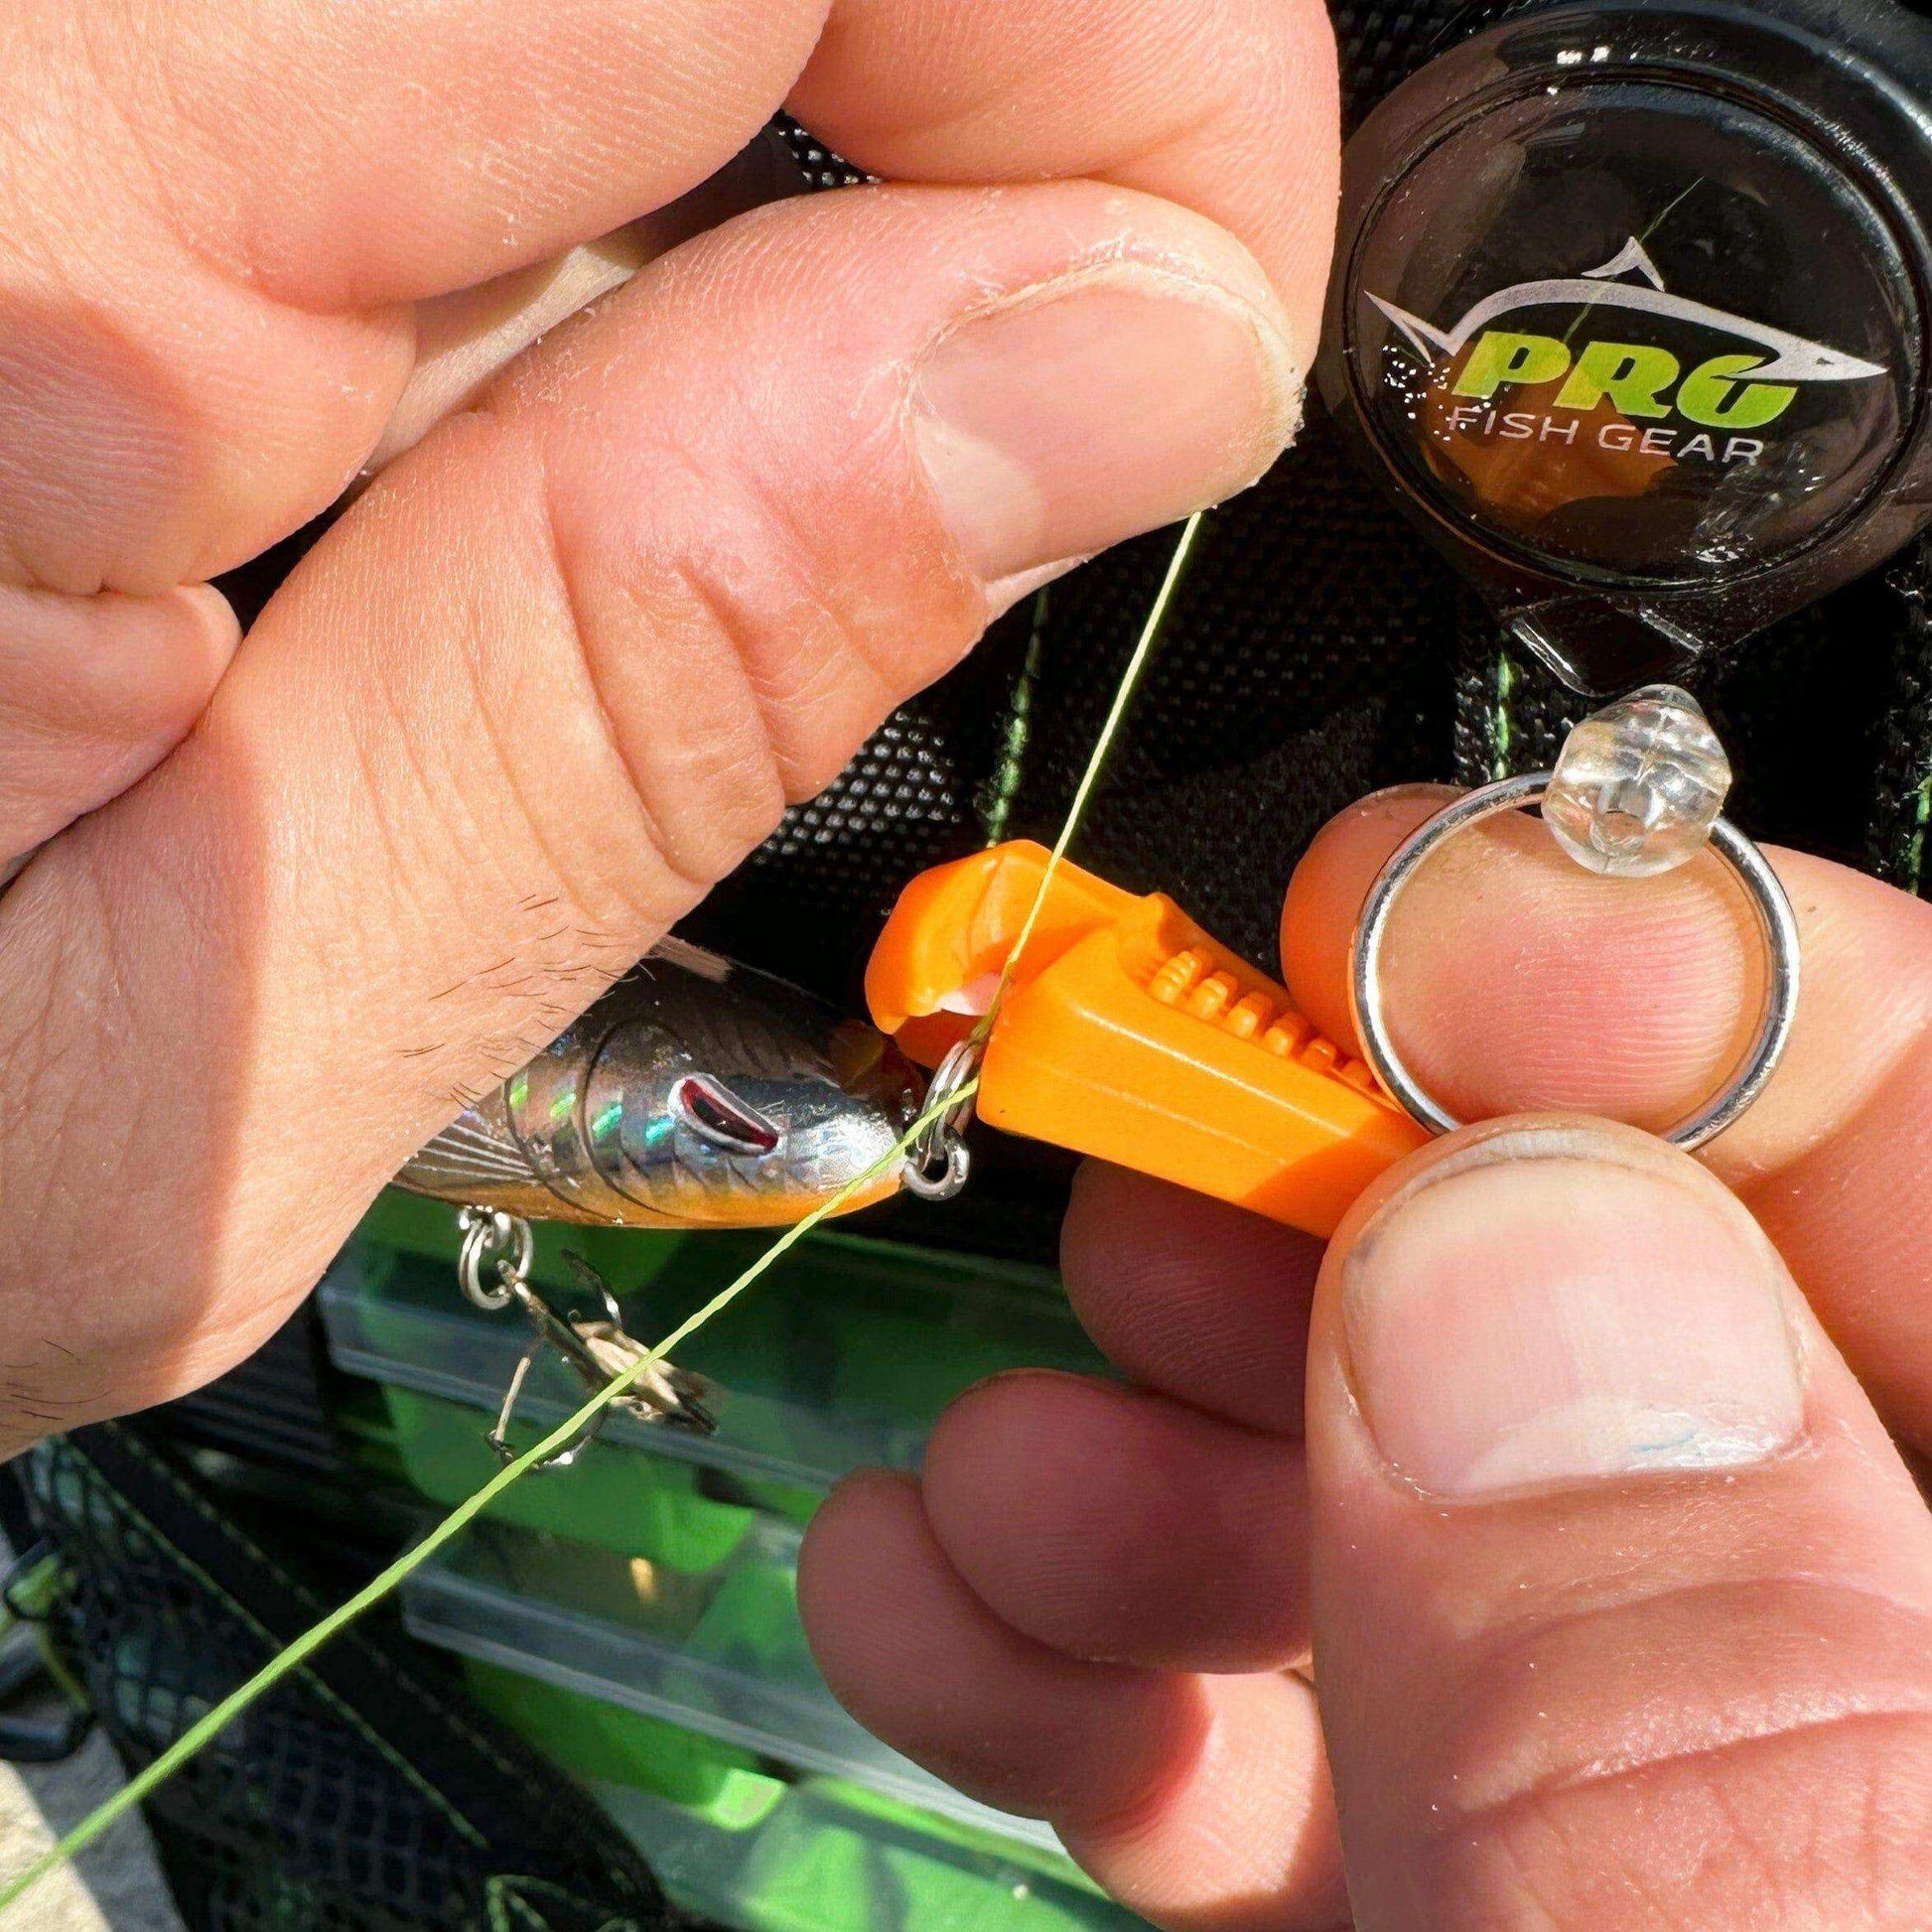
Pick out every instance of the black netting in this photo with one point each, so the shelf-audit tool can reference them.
(822, 168)
(360, 1795)
(1382, 45)
(1300, 672)
(1900, 839)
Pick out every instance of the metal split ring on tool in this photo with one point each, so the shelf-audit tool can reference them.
(490, 1234)
(938, 1164)
(1768, 901)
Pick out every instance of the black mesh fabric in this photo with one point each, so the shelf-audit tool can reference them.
(1900, 836)
(1381, 45)
(362, 1794)
(1300, 670)
(1318, 650)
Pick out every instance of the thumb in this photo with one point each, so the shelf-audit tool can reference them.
(1622, 1599)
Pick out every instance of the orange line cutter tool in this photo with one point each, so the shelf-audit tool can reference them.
(1128, 1033)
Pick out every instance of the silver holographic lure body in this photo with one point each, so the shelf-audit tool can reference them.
(695, 1093)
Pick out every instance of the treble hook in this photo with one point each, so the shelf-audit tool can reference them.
(595, 1351)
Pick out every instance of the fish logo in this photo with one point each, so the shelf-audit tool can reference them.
(1793, 359)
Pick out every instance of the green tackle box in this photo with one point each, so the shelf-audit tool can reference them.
(634, 1616)
(750, 1843)
(840, 1358)
(720, 1654)
(828, 1857)
(691, 1706)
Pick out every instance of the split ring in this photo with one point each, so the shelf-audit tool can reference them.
(1768, 901)
(492, 1236)
(938, 1164)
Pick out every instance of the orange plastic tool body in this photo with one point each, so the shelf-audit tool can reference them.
(1130, 1034)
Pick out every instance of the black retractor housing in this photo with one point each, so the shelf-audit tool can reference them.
(1631, 308)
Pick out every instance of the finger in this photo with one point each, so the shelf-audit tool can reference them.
(1199, 103)
(1191, 1296)
(93, 693)
(924, 1665)
(558, 670)
(1622, 1597)
(1122, 1526)
(1516, 980)
(349, 158)
(463, 339)
(1197, 1801)
(204, 330)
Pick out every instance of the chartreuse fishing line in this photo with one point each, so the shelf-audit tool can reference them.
(1630, 315)
(947, 1103)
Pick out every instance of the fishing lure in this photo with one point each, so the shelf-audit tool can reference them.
(696, 1093)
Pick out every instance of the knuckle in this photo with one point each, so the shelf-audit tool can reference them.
(1820, 1825)
(740, 644)
(663, 667)
(169, 417)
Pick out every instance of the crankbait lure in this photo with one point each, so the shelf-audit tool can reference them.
(696, 1093)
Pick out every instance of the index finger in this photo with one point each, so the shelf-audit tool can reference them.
(214, 329)
(1226, 107)
(1520, 983)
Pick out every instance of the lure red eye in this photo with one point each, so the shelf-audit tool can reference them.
(710, 1109)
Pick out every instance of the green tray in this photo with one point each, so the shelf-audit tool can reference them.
(842, 1359)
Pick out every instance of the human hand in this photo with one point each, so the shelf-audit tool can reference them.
(1578, 1487)
(565, 662)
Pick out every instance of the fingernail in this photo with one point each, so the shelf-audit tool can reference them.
(1555, 1306)
(1106, 403)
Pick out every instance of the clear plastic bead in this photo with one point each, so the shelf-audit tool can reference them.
(1640, 786)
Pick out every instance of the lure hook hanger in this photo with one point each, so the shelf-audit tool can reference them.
(494, 1236)
(504, 1244)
